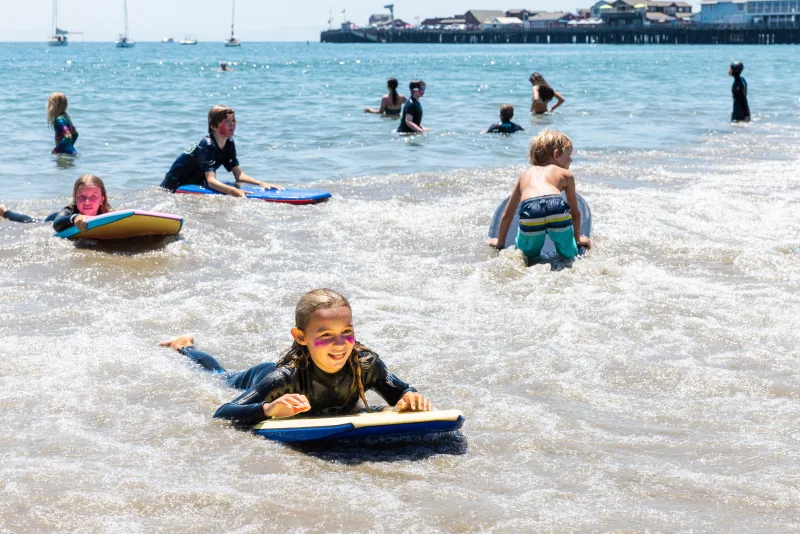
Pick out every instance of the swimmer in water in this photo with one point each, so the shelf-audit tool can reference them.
(411, 120)
(224, 67)
(505, 126)
(741, 109)
(325, 371)
(89, 199)
(542, 210)
(542, 94)
(199, 164)
(392, 103)
(60, 121)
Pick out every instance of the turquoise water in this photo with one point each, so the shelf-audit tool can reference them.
(652, 387)
(300, 106)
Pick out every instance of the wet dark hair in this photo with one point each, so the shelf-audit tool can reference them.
(546, 93)
(298, 356)
(506, 112)
(737, 67)
(537, 79)
(392, 84)
(415, 84)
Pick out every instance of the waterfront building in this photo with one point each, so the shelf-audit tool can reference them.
(757, 12)
(644, 12)
(503, 23)
(556, 19)
(476, 18)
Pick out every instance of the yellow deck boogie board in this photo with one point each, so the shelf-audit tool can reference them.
(359, 425)
(126, 223)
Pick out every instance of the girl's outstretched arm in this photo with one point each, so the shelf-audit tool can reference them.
(253, 405)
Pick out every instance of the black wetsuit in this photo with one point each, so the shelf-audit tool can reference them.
(414, 108)
(327, 393)
(191, 167)
(61, 219)
(741, 109)
(505, 128)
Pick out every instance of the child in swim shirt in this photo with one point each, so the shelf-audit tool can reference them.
(411, 118)
(199, 164)
(59, 120)
(89, 199)
(505, 125)
(325, 371)
(741, 109)
(542, 210)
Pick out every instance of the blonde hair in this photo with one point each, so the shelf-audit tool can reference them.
(298, 356)
(541, 149)
(90, 179)
(217, 114)
(56, 106)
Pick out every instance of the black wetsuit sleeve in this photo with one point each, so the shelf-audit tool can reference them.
(230, 156)
(248, 408)
(494, 128)
(63, 219)
(206, 158)
(518, 128)
(385, 383)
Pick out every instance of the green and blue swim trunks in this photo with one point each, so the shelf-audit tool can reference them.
(540, 217)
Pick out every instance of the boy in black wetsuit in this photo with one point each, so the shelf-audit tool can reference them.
(411, 119)
(741, 109)
(505, 126)
(199, 164)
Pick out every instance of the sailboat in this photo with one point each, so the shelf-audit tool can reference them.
(123, 41)
(59, 37)
(233, 41)
(189, 40)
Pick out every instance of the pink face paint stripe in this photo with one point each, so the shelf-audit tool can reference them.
(325, 342)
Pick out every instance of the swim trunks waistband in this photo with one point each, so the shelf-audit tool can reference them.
(539, 214)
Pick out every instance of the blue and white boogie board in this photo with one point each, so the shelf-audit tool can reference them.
(549, 250)
(286, 196)
(359, 425)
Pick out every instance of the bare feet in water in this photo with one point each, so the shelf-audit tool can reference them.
(179, 342)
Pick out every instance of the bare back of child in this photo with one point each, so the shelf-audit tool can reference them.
(542, 209)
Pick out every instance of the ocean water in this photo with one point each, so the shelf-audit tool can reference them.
(653, 387)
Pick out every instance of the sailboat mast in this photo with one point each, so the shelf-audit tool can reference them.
(55, 16)
(233, 16)
(126, 18)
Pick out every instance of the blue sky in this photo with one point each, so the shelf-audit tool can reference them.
(209, 20)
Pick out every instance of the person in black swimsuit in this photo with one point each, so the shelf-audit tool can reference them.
(89, 199)
(741, 109)
(325, 371)
(392, 103)
(505, 126)
(198, 164)
(411, 120)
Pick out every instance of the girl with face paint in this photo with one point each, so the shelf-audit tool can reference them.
(325, 371)
(89, 199)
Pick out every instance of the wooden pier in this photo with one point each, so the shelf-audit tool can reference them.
(600, 34)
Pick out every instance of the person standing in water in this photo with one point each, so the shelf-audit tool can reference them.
(542, 94)
(60, 121)
(392, 103)
(411, 120)
(741, 109)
